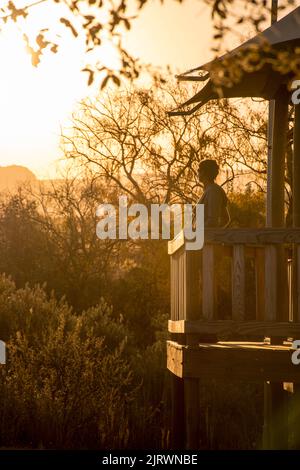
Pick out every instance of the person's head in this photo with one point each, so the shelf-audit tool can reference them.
(208, 171)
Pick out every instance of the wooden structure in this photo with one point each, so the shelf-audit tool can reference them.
(249, 336)
(249, 346)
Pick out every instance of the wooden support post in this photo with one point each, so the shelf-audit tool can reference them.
(275, 415)
(177, 417)
(192, 312)
(296, 214)
(276, 214)
(280, 127)
(192, 415)
(296, 169)
(275, 436)
(295, 417)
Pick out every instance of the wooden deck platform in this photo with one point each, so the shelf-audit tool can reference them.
(243, 361)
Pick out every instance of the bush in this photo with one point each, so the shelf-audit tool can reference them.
(62, 387)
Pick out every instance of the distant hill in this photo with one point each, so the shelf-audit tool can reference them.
(13, 176)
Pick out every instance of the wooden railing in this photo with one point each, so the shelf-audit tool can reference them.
(262, 266)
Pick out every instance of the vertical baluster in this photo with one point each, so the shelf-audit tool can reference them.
(208, 282)
(238, 283)
(271, 283)
(172, 291)
(260, 283)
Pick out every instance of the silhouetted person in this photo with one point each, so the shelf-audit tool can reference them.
(214, 197)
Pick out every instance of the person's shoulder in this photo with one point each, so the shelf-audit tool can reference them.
(215, 188)
(217, 192)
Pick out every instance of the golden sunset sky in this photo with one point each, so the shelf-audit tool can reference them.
(36, 102)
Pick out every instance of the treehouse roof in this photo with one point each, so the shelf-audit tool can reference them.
(257, 80)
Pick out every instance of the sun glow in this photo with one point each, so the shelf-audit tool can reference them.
(35, 101)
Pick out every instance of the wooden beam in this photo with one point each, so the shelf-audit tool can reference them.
(280, 128)
(252, 236)
(248, 362)
(274, 15)
(175, 358)
(176, 243)
(244, 236)
(229, 328)
(275, 286)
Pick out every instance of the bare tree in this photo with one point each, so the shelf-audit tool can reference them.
(129, 141)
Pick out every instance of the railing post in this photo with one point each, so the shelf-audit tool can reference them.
(208, 282)
(192, 308)
(238, 283)
(260, 283)
(271, 283)
(192, 312)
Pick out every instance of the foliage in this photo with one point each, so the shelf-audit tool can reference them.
(104, 20)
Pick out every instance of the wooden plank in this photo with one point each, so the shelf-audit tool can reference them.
(260, 283)
(249, 236)
(175, 244)
(242, 236)
(175, 358)
(227, 328)
(247, 362)
(238, 283)
(271, 283)
(208, 283)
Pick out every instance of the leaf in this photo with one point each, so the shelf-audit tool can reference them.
(68, 24)
(105, 81)
(40, 40)
(127, 24)
(91, 75)
(54, 48)
(116, 80)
